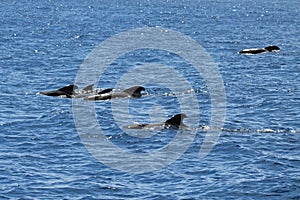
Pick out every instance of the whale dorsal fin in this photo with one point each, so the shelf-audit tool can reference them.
(68, 89)
(176, 120)
(135, 91)
(88, 88)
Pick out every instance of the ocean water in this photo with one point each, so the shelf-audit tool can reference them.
(43, 45)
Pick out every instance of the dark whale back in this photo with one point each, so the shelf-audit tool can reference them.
(108, 90)
(68, 90)
(105, 94)
(272, 48)
(260, 50)
(135, 91)
(176, 120)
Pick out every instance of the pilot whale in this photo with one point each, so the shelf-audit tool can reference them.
(176, 122)
(260, 50)
(66, 91)
(134, 92)
(70, 91)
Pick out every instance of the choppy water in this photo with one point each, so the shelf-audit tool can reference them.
(43, 44)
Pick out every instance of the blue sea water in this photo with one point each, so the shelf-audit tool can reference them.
(42, 46)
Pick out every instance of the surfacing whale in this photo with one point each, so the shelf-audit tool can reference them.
(134, 92)
(65, 92)
(176, 122)
(70, 91)
(260, 50)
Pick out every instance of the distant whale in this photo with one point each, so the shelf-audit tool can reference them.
(66, 91)
(175, 122)
(69, 91)
(260, 50)
(134, 91)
